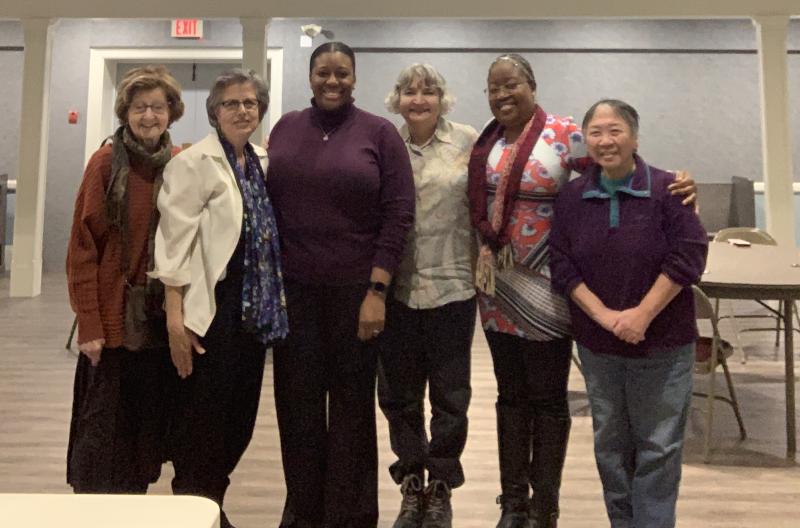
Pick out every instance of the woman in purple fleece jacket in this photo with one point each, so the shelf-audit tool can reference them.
(625, 252)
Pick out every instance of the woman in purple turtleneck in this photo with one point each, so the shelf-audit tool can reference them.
(341, 184)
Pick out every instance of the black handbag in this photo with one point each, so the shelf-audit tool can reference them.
(145, 320)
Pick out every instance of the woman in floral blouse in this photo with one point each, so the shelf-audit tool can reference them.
(431, 314)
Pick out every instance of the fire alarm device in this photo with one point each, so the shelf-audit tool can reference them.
(72, 117)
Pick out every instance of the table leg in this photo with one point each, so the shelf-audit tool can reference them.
(791, 440)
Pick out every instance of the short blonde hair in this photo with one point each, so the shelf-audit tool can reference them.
(429, 77)
(148, 78)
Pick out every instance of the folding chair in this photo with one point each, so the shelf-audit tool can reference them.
(710, 353)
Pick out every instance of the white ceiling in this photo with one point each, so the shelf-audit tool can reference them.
(396, 8)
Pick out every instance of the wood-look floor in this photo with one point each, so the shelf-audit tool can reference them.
(748, 484)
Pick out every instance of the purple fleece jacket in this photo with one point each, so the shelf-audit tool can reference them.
(656, 234)
(343, 205)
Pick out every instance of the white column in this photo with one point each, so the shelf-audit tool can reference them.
(26, 262)
(254, 56)
(775, 127)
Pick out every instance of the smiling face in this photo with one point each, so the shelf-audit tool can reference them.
(511, 97)
(610, 141)
(420, 105)
(236, 122)
(148, 116)
(332, 80)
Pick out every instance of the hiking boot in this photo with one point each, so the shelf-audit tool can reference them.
(438, 511)
(411, 509)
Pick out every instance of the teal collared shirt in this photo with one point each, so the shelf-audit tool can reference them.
(609, 189)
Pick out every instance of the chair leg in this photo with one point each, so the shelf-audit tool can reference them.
(778, 329)
(735, 402)
(71, 334)
(710, 402)
(737, 344)
(577, 361)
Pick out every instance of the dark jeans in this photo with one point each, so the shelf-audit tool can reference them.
(427, 346)
(639, 411)
(531, 375)
(325, 401)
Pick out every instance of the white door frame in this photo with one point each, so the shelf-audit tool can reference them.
(100, 119)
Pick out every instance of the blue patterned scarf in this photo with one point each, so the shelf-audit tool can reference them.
(263, 300)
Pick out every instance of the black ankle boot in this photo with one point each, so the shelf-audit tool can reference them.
(411, 508)
(513, 442)
(549, 449)
(514, 513)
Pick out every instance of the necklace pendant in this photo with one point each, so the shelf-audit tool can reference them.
(325, 137)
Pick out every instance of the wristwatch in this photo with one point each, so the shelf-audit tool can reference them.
(378, 288)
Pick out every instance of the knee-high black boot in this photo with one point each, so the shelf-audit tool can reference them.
(513, 442)
(549, 449)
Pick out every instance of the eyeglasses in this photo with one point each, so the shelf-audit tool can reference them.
(157, 108)
(494, 91)
(232, 105)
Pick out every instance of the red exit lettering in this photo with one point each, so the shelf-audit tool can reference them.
(187, 28)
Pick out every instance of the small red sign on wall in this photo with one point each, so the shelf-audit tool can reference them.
(187, 28)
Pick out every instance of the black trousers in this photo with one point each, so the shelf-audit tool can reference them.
(531, 375)
(116, 437)
(325, 401)
(432, 347)
(216, 407)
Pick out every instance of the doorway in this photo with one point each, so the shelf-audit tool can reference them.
(104, 65)
(196, 80)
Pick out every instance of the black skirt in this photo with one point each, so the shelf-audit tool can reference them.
(119, 416)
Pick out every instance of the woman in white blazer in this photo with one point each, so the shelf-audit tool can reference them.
(216, 251)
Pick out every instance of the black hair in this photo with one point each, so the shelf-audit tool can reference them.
(332, 47)
(625, 111)
(521, 63)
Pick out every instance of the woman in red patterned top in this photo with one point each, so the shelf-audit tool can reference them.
(519, 163)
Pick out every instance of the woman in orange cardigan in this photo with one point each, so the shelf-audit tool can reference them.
(115, 441)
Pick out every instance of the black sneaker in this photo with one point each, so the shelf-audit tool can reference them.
(410, 515)
(438, 511)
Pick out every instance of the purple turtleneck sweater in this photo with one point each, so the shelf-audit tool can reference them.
(343, 205)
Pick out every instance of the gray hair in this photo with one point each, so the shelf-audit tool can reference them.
(429, 77)
(521, 64)
(231, 77)
(622, 109)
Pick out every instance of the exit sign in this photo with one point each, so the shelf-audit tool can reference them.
(187, 28)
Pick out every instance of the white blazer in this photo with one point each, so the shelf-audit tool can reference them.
(201, 220)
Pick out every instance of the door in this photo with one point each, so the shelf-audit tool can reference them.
(196, 79)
